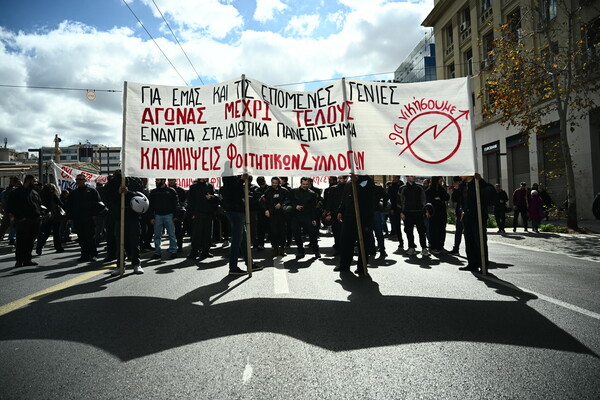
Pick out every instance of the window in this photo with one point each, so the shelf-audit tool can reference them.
(488, 50)
(465, 19)
(486, 5)
(513, 20)
(469, 62)
(549, 8)
(449, 37)
(451, 71)
(592, 34)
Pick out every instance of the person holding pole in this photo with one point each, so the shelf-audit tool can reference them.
(24, 208)
(304, 203)
(475, 234)
(233, 201)
(411, 202)
(163, 205)
(347, 214)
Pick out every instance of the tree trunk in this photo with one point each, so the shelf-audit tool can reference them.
(571, 191)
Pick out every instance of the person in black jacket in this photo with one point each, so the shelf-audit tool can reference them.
(202, 207)
(379, 208)
(347, 213)
(500, 203)
(273, 201)
(304, 203)
(131, 223)
(469, 217)
(180, 213)
(82, 207)
(55, 208)
(395, 221)
(437, 196)
(24, 207)
(163, 205)
(411, 202)
(456, 198)
(334, 198)
(233, 198)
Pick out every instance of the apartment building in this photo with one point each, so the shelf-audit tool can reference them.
(464, 33)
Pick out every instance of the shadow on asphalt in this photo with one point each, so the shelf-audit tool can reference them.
(131, 327)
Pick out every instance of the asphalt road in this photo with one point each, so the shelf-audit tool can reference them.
(417, 327)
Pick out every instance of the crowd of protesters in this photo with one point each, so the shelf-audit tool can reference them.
(283, 215)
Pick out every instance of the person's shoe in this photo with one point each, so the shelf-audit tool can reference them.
(526, 230)
(179, 249)
(155, 256)
(359, 271)
(193, 255)
(411, 251)
(282, 252)
(60, 251)
(225, 243)
(256, 267)
(260, 247)
(454, 252)
(434, 251)
(11, 242)
(83, 259)
(340, 269)
(237, 271)
(425, 252)
(468, 268)
(300, 254)
(172, 255)
(115, 272)
(18, 264)
(382, 253)
(38, 251)
(275, 252)
(137, 269)
(514, 229)
(30, 263)
(93, 258)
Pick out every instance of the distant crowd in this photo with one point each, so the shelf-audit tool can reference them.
(279, 215)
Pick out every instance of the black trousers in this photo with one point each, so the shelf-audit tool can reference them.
(304, 223)
(500, 215)
(523, 212)
(133, 234)
(349, 239)
(86, 228)
(472, 241)
(278, 229)
(27, 230)
(437, 231)
(202, 228)
(411, 220)
(47, 228)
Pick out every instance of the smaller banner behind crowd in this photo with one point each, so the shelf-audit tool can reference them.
(348, 126)
(64, 177)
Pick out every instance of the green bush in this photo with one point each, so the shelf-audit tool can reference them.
(553, 228)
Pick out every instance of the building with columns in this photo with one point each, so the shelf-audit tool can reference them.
(464, 33)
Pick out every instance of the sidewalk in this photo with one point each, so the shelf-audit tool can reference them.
(591, 225)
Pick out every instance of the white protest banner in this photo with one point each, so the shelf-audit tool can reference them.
(64, 177)
(346, 127)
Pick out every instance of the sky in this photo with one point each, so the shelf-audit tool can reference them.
(79, 45)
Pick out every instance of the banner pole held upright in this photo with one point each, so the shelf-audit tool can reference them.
(246, 187)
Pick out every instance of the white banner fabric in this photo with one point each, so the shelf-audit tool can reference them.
(64, 177)
(348, 126)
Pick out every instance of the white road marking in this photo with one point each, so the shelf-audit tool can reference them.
(247, 375)
(549, 299)
(280, 283)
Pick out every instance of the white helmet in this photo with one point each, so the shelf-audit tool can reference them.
(139, 203)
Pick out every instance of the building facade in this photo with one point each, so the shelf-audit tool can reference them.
(419, 65)
(107, 158)
(464, 33)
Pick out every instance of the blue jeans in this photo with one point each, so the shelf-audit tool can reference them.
(160, 222)
(237, 224)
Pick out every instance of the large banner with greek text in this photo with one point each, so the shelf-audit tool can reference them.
(348, 126)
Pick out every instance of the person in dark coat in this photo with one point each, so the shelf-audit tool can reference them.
(456, 199)
(273, 202)
(164, 202)
(500, 202)
(469, 216)
(202, 206)
(521, 197)
(411, 204)
(395, 219)
(306, 214)
(51, 225)
(82, 207)
(437, 196)
(233, 198)
(180, 213)
(347, 213)
(24, 207)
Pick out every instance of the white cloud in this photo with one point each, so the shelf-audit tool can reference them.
(303, 25)
(266, 8)
(206, 17)
(370, 40)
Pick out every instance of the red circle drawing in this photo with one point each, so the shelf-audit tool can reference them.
(452, 121)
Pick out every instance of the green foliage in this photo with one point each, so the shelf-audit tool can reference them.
(553, 228)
